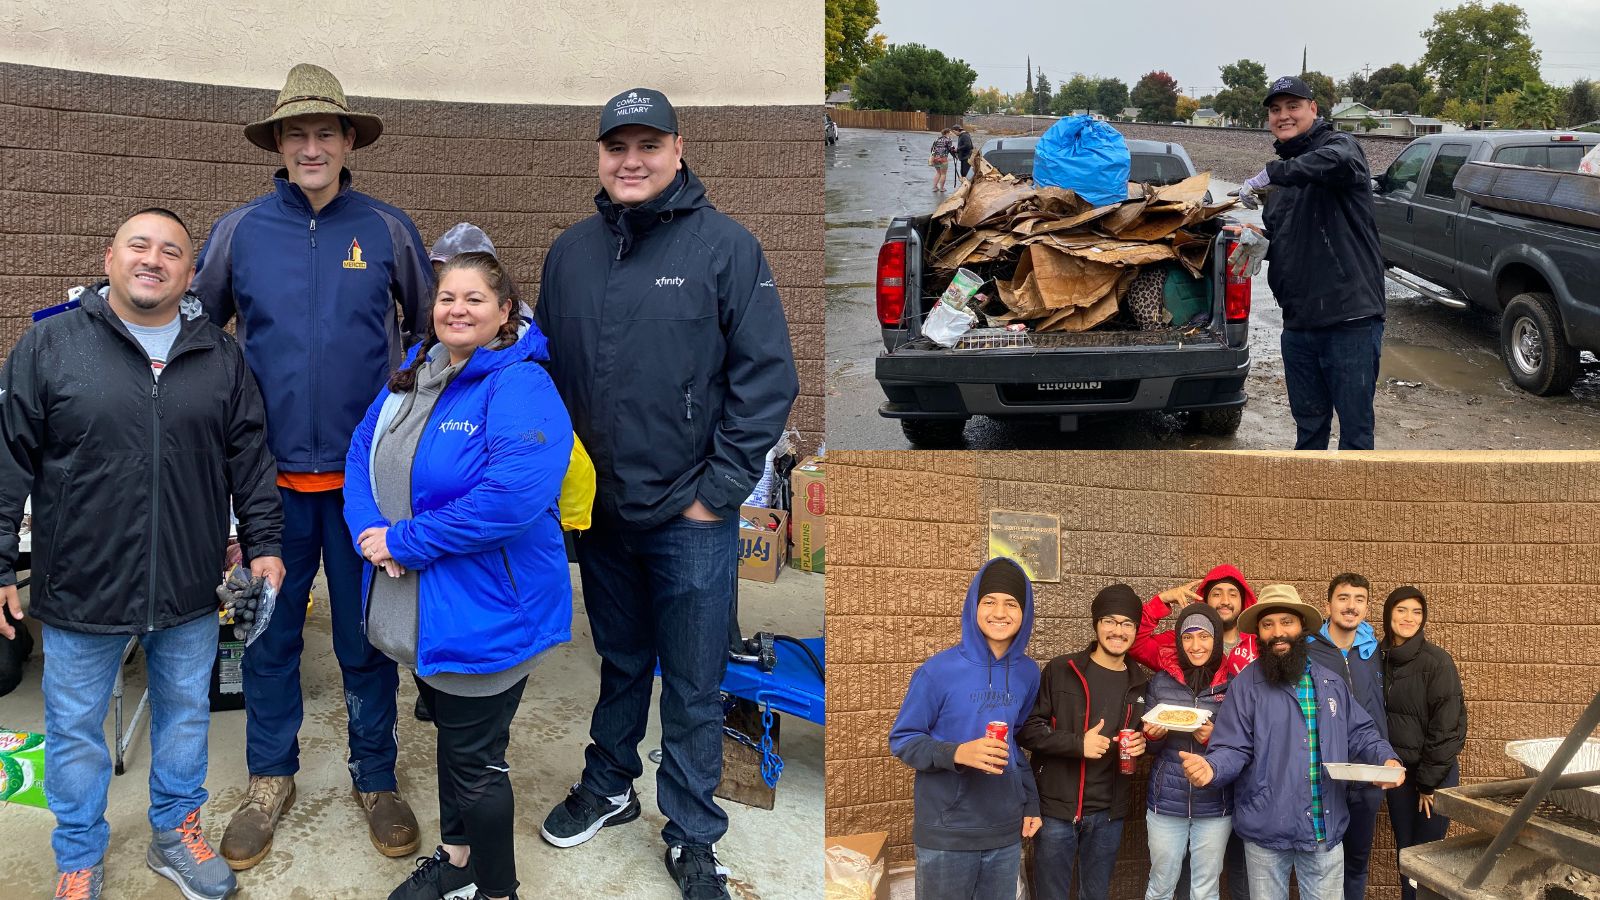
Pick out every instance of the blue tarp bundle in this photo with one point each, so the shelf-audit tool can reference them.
(1086, 156)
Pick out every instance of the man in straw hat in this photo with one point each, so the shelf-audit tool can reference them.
(1285, 717)
(314, 271)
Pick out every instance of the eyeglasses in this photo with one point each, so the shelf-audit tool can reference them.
(1119, 624)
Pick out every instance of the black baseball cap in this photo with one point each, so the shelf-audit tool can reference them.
(638, 106)
(1290, 85)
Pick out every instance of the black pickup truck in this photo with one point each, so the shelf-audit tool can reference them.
(933, 391)
(1542, 277)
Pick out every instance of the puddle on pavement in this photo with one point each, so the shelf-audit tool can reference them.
(1465, 371)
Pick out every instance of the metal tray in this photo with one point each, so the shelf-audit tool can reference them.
(1535, 753)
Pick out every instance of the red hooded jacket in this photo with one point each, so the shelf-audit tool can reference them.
(1159, 650)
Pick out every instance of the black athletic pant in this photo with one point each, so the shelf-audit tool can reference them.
(475, 803)
(964, 165)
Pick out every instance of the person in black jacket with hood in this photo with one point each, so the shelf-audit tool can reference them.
(1427, 721)
(1326, 269)
(669, 346)
(133, 422)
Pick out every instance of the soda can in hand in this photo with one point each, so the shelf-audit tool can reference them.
(1125, 763)
(997, 731)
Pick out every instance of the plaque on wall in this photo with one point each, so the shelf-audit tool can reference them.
(1032, 539)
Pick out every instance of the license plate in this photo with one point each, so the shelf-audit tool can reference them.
(1069, 386)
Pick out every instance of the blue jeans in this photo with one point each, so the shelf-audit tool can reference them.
(314, 532)
(1206, 842)
(661, 594)
(79, 670)
(1411, 827)
(969, 874)
(1363, 801)
(1319, 873)
(1333, 370)
(1089, 845)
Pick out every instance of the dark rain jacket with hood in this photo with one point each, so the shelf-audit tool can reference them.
(951, 700)
(1159, 650)
(1362, 669)
(1326, 265)
(669, 345)
(1054, 732)
(1168, 790)
(1427, 712)
(131, 477)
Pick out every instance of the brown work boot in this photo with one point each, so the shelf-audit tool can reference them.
(249, 834)
(390, 822)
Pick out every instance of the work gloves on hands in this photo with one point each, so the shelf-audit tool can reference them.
(1250, 192)
(249, 601)
(1245, 260)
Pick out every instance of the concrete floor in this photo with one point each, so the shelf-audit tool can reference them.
(322, 849)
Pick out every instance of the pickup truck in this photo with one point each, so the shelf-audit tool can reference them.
(1541, 277)
(933, 391)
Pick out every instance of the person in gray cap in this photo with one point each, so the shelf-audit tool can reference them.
(1285, 717)
(1326, 269)
(668, 344)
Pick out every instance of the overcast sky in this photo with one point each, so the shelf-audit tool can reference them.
(1192, 40)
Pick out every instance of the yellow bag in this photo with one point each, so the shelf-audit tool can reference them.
(577, 490)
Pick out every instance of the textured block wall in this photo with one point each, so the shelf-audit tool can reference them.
(1506, 552)
(79, 151)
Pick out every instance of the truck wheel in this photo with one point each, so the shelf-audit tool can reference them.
(1216, 421)
(1535, 351)
(934, 434)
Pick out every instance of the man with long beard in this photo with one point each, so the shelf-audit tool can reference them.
(1285, 717)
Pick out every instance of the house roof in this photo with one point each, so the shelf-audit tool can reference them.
(1351, 110)
(1130, 110)
(842, 95)
(1206, 113)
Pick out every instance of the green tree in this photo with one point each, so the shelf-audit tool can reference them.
(1463, 112)
(1187, 107)
(1535, 106)
(1368, 123)
(1503, 109)
(1583, 105)
(1246, 87)
(1110, 96)
(1400, 97)
(847, 28)
(1076, 92)
(1322, 90)
(1473, 41)
(1156, 95)
(1041, 95)
(989, 100)
(914, 77)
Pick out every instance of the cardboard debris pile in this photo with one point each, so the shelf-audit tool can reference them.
(1051, 260)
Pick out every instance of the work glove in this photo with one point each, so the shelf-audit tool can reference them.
(249, 601)
(1247, 255)
(1250, 192)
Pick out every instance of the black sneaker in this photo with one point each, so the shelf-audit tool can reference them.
(584, 813)
(696, 870)
(480, 895)
(433, 878)
(421, 711)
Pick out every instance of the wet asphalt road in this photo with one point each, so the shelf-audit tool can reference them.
(1442, 385)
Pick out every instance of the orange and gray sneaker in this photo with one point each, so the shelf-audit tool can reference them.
(183, 856)
(83, 884)
(249, 834)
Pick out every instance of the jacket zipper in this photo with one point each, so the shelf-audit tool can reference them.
(155, 491)
(506, 557)
(316, 388)
(688, 403)
(1083, 761)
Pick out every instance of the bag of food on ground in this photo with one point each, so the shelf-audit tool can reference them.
(1085, 156)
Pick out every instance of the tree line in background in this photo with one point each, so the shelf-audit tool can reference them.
(1479, 66)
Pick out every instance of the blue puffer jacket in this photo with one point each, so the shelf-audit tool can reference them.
(1259, 746)
(315, 293)
(1168, 792)
(485, 535)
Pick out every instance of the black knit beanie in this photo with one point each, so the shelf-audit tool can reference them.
(1115, 600)
(1003, 576)
(1403, 592)
(1205, 592)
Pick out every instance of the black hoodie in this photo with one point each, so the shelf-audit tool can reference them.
(669, 346)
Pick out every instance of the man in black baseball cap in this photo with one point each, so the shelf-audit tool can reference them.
(1326, 270)
(669, 346)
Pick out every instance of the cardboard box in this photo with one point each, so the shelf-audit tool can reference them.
(809, 532)
(763, 543)
(870, 845)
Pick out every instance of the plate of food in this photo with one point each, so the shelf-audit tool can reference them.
(1177, 718)
(1363, 772)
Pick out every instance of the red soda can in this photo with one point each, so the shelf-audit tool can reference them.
(997, 731)
(1124, 739)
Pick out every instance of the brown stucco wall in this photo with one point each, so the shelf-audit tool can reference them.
(1505, 550)
(79, 151)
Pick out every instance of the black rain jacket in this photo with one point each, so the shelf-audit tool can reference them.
(1326, 267)
(1054, 732)
(131, 477)
(669, 346)
(1427, 711)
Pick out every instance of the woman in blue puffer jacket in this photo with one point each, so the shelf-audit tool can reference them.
(1179, 817)
(451, 486)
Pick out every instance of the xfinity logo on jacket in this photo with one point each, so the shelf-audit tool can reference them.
(669, 281)
(449, 426)
(993, 699)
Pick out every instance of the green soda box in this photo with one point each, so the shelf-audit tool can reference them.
(22, 769)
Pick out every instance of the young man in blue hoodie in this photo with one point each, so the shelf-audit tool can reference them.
(1346, 644)
(971, 849)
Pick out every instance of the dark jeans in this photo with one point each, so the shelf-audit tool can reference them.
(662, 593)
(1234, 873)
(1412, 827)
(476, 807)
(968, 874)
(1363, 802)
(964, 165)
(1089, 845)
(313, 532)
(1333, 370)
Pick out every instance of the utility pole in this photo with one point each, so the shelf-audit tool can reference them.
(1483, 122)
(1303, 68)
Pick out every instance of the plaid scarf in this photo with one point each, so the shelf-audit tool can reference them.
(1306, 691)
